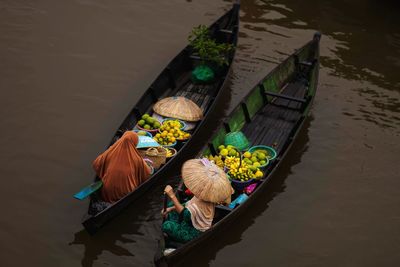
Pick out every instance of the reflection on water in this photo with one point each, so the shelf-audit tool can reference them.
(371, 27)
(349, 56)
(71, 70)
(129, 237)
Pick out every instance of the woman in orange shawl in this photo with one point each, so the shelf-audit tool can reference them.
(121, 168)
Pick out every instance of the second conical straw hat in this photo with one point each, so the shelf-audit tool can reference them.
(206, 181)
(179, 107)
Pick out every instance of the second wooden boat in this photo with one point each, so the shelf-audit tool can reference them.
(272, 114)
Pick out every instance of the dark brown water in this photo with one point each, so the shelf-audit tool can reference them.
(71, 70)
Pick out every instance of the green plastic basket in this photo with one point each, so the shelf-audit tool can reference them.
(202, 74)
(238, 140)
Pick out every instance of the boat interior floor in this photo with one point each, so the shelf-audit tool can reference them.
(201, 94)
(273, 125)
(198, 93)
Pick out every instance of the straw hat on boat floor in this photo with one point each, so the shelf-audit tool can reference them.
(178, 107)
(206, 181)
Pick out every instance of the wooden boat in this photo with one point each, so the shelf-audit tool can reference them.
(174, 80)
(272, 114)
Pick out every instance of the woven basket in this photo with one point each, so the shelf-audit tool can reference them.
(156, 154)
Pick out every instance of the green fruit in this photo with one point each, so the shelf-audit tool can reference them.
(256, 164)
(141, 123)
(254, 159)
(156, 125)
(224, 152)
(253, 168)
(142, 133)
(263, 162)
(261, 156)
(150, 121)
(145, 116)
(248, 161)
(146, 126)
(232, 153)
(221, 147)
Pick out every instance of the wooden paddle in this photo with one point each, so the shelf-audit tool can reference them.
(88, 190)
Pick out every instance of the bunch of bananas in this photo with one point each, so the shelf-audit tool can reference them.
(242, 172)
(217, 160)
(230, 161)
(170, 152)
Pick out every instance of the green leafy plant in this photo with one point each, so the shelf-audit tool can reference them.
(208, 49)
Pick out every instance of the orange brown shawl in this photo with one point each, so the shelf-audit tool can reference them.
(121, 168)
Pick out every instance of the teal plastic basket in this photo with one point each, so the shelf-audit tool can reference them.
(238, 140)
(271, 152)
(147, 133)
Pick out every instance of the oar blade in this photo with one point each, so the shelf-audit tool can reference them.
(88, 190)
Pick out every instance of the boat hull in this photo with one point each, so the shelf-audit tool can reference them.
(172, 81)
(296, 109)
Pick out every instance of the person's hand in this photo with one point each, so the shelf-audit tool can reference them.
(165, 212)
(169, 191)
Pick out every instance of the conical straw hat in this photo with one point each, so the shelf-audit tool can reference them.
(178, 107)
(206, 181)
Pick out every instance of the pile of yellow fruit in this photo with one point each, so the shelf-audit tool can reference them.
(165, 138)
(170, 124)
(170, 132)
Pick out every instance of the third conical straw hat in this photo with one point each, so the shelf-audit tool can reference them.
(178, 107)
(206, 181)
